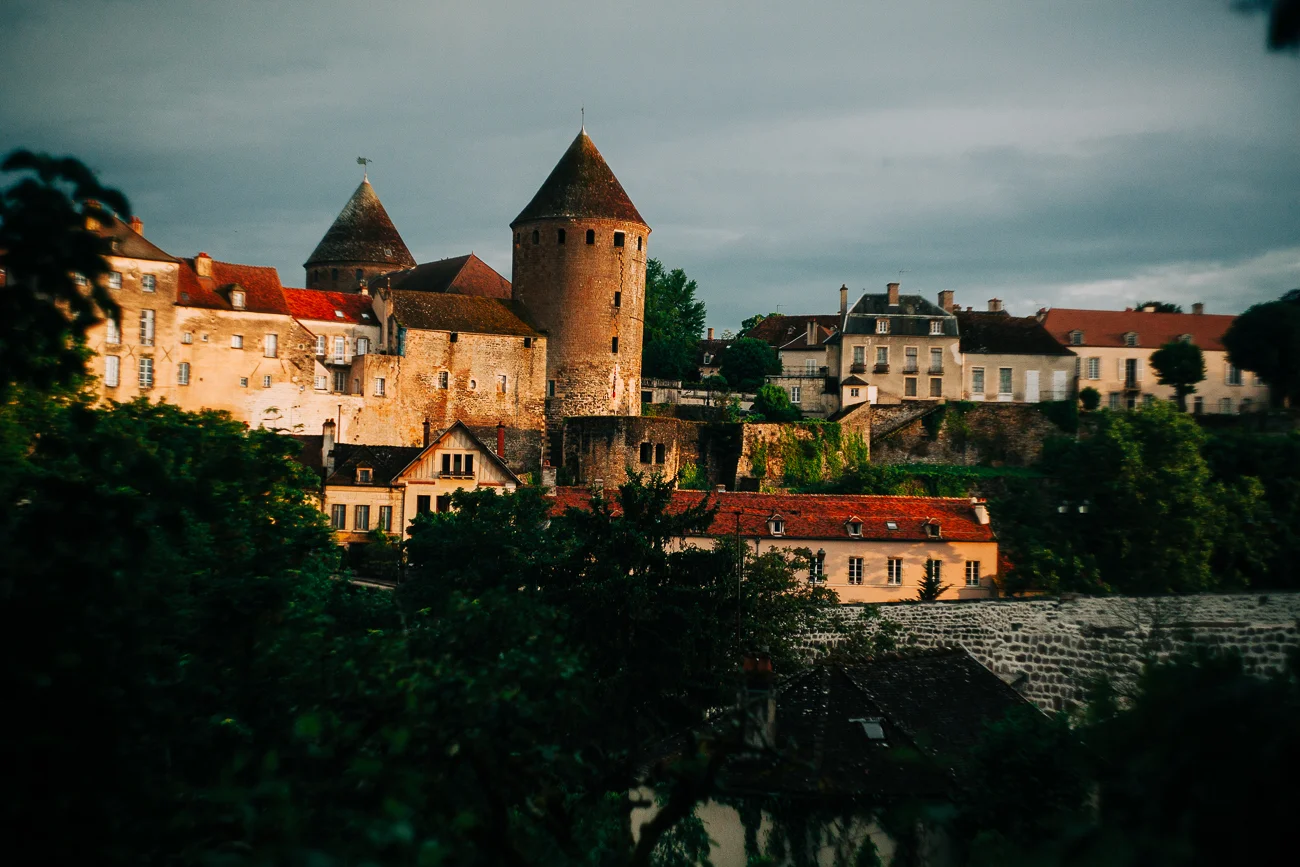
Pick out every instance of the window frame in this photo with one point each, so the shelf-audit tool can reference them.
(936, 328)
(183, 373)
(972, 573)
(112, 371)
(1007, 376)
(270, 345)
(361, 518)
(977, 380)
(148, 327)
(894, 571)
(338, 516)
(381, 386)
(855, 571)
(384, 521)
(882, 326)
(236, 341)
(145, 371)
(148, 283)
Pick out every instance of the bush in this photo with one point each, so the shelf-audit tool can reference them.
(1090, 398)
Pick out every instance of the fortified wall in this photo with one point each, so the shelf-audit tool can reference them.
(1051, 650)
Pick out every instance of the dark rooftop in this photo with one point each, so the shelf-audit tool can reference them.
(436, 311)
(581, 185)
(911, 316)
(385, 462)
(462, 275)
(362, 232)
(1000, 334)
(130, 244)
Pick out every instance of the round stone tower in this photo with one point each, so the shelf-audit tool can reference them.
(579, 269)
(362, 243)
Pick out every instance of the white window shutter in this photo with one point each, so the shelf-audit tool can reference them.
(1141, 368)
(1119, 369)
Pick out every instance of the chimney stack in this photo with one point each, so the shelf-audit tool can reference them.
(501, 441)
(980, 505)
(203, 265)
(995, 305)
(426, 433)
(327, 446)
(893, 294)
(137, 226)
(710, 334)
(946, 300)
(812, 332)
(1198, 308)
(844, 299)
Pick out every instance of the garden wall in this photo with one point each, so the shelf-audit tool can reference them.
(967, 434)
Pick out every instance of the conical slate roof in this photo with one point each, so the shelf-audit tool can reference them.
(362, 232)
(581, 185)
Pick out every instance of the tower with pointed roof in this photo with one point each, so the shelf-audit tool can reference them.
(362, 243)
(579, 262)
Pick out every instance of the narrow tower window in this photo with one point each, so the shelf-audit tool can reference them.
(334, 273)
(613, 345)
(559, 237)
(618, 239)
(618, 299)
(537, 237)
(638, 242)
(591, 236)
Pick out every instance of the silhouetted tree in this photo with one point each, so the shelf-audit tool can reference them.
(1266, 340)
(1180, 365)
(674, 322)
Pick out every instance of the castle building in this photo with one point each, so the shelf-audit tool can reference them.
(578, 268)
(361, 244)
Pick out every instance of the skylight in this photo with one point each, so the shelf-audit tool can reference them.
(338, 314)
(891, 525)
(873, 727)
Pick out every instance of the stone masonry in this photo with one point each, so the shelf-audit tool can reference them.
(1051, 650)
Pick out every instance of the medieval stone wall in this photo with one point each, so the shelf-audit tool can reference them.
(1007, 433)
(770, 451)
(1052, 649)
(606, 447)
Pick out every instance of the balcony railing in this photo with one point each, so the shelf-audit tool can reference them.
(858, 367)
(909, 368)
(936, 371)
(880, 368)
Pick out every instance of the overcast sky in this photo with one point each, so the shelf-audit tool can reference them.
(1049, 152)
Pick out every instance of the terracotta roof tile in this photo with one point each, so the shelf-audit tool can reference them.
(1153, 330)
(436, 311)
(823, 516)
(362, 232)
(314, 304)
(581, 185)
(463, 275)
(262, 290)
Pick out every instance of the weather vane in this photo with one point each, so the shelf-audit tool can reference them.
(362, 161)
(582, 113)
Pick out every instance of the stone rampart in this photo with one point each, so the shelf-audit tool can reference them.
(1051, 650)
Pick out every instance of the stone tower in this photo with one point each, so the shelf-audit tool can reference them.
(579, 268)
(362, 243)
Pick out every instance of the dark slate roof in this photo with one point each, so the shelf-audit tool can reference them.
(436, 311)
(791, 331)
(385, 461)
(463, 275)
(712, 348)
(1000, 334)
(128, 244)
(910, 317)
(310, 454)
(581, 185)
(362, 232)
(932, 707)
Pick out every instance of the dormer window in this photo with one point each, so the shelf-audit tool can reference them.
(708, 358)
(891, 525)
(363, 475)
(854, 527)
(882, 326)
(776, 525)
(1076, 338)
(936, 326)
(932, 529)
(1131, 339)
(237, 299)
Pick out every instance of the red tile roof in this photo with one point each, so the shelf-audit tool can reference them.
(791, 332)
(1153, 330)
(262, 290)
(463, 275)
(822, 516)
(313, 304)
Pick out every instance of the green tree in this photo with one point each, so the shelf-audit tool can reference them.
(749, 324)
(1160, 306)
(747, 362)
(1090, 398)
(1266, 340)
(1180, 365)
(931, 586)
(46, 248)
(771, 403)
(674, 322)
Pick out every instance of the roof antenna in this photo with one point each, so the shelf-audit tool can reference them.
(362, 161)
(901, 272)
(583, 114)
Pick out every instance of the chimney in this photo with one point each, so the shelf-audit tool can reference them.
(995, 305)
(203, 265)
(426, 433)
(812, 332)
(548, 476)
(137, 226)
(1150, 308)
(327, 446)
(721, 489)
(365, 288)
(1198, 308)
(980, 505)
(844, 299)
(893, 294)
(758, 699)
(710, 334)
(501, 441)
(946, 299)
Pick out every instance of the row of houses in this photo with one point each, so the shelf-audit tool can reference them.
(891, 348)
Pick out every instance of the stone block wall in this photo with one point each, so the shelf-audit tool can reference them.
(1005, 433)
(1051, 650)
(767, 449)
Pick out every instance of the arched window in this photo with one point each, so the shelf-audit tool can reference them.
(537, 237)
(638, 242)
(591, 236)
(334, 273)
(613, 345)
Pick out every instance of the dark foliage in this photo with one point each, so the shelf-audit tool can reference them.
(1266, 339)
(746, 362)
(1181, 365)
(674, 321)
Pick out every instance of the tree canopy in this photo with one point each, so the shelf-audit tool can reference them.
(771, 403)
(1181, 365)
(1160, 306)
(747, 325)
(746, 363)
(674, 323)
(1266, 340)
